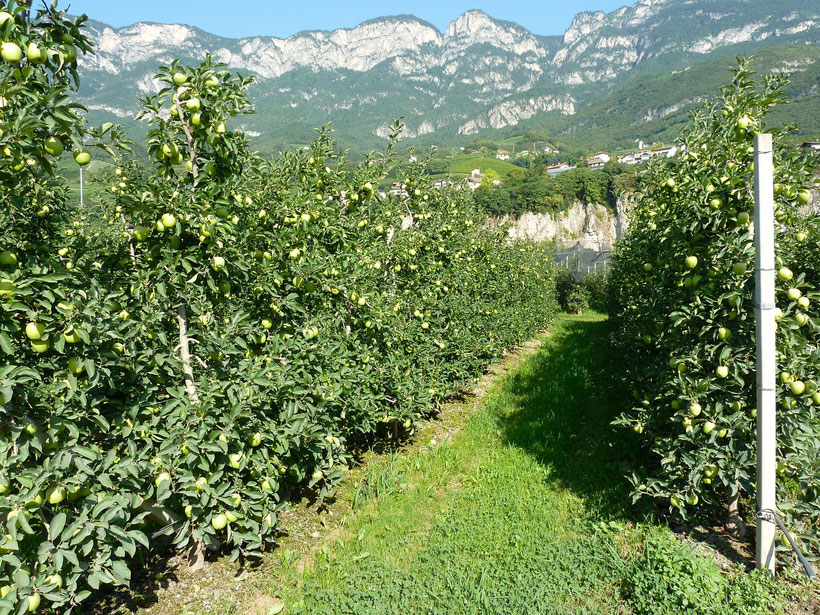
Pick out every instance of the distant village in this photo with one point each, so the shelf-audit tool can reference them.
(595, 161)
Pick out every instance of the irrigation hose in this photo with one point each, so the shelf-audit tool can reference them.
(767, 514)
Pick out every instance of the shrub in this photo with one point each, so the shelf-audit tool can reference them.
(671, 577)
(595, 285)
(571, 295)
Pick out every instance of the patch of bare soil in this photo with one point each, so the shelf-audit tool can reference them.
(167, 586)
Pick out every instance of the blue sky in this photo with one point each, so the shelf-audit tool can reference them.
(282, 18)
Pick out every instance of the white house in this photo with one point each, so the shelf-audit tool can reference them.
(555, 169)
(811, 146)
(669, 152)
(597, 161)
(501, 155)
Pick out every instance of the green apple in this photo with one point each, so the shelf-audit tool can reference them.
(801, 319)
(647, 267)
(11, 52)
(212, 81)
(722, 371)
(34, 54)
(8, 259)
(710, 471)
(743, 219)
(691, 262)
(180, 78)
(715, 203)
(692, 500)
(708, 427)
(235, 460)
(4, 17)
(164, 477)
(675, 501)
(75, 365)
(53, 146)
(219, 521)
(794, 294)
(743, 122)
(803, 197)
(217, 263)
(72, 335)
(189, 511)
(798, 387)
(201, 483)
(169, 150)
(784, 274)
(141, 233)
(82, 158)
(221, 128)
(236, 499)
(267, 485)
(196, 119)
(724, 333)
(266, 324)
(54, 579)
(801, 237)
(56, 495)
(255, 439)
(168, 220)
(803, 302)
(739, 268)
(722, 433)
(231, 516)
(193, 104)
(35, 330)
(695, 409)
(33, 603)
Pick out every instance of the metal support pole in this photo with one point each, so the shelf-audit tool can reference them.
(766, 350)
(81, 187)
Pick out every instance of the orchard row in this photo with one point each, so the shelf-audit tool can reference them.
(683, 304)
(220, 332)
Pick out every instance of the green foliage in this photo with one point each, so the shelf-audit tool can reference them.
(683, 307)
(670, 577)
(534, 190)
(481, 145)
(571, 294)
(465, 166)
(596, 288)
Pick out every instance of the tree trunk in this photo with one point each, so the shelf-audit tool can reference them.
(185, 354)
(734, 522)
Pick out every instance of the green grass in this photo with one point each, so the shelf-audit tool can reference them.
(524, 511)
(502, 167)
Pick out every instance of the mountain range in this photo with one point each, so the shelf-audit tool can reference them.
(610, 79)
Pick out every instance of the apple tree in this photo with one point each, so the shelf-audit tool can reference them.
(683, 289)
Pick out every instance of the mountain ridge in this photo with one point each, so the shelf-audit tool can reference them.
(480, 74)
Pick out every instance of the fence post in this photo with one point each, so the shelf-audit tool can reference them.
(766, 351)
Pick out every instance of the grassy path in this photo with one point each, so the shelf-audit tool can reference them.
(526, 510)
(506, 518)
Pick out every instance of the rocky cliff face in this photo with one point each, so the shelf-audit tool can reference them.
(594, 226)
